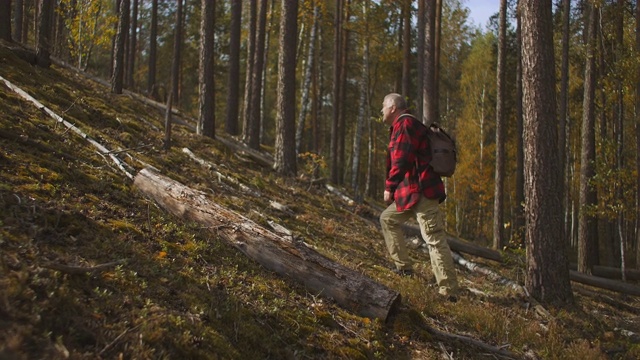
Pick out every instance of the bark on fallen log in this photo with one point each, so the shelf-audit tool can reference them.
(603, 283)
(611, 272)
(350, 289)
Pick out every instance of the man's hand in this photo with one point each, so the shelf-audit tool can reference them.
(388, 197)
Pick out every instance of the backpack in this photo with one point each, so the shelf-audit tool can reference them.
(443, 150)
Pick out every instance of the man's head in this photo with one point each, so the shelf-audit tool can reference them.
(392, 106)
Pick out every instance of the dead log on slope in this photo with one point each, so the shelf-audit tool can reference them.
(263, 159)
(350, 289)
(603, 283)
(611, 272)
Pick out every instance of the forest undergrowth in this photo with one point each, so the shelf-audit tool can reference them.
(175, 290)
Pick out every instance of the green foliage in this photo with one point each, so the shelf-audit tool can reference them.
(91, 24)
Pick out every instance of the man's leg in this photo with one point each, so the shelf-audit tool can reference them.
(391, 221)
(431, 221)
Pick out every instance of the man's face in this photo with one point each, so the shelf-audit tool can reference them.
(387, 110)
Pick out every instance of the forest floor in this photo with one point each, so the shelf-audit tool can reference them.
(179, 291)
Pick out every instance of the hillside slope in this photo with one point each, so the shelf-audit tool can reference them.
(181, 292)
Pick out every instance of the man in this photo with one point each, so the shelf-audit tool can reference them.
(412, 189)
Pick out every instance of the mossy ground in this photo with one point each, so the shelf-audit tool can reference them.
(183, 292)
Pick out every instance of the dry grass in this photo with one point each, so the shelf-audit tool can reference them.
(183, 292)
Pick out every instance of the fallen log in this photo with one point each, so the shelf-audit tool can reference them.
(603, 283)
(611, 272)
(350, 289)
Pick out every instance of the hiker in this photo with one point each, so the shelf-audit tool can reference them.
(412, 189)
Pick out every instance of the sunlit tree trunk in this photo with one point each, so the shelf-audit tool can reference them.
(153, 41)
(133, 45)
(233, 90)
(547, 261)
(308, 74)
(436, 60)
(498, 210)
(420, 58)
(337, 82)
(117, 75)
(363, 111)
(285, 154)
(406, 47)
(619, 130)
(177, 55)
(251, 46)
(587, 227)
(206, 124)
(256, 78)
(519, 224)
(428, 93)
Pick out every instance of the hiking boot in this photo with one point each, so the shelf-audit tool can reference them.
(403, 272)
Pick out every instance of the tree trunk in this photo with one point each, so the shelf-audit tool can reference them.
(349, 288)
(406, 47)
(547, 262)
(133, 46)
(5, 20)
(436, 60)
(285, 151)
(587, 227)
(177, 54)
(420, 60)
(342, 125)
(428, 93)
(519, 224)
(337, 26)
(363, 111)
(637, 116)
(233, 92)
(250, 62)
(563, 112)
(19, 16)
(498, 209)
(255, 120)
(117, 76)
(619, 133)
(43, 50)
(153, 42)
(206, 121)
(306, 86)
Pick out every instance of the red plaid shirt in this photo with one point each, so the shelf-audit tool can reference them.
(408, 147)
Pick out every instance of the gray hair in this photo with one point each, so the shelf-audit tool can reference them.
(397, 100)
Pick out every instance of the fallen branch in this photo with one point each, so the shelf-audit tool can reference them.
(77, 270)
(221, 176)
(499, 351)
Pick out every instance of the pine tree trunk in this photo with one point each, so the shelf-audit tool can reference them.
(43, 49)
(306, 85)
(406, 47)
(256, 78)
(498, 209)
(363, 111)
(285, 152)
(117, 76)
(637, 116)
(233, 92)
(428, 94)
(547, 262)
(133, 46)
(518, 226)
(564, 109)
(206, 124)
(153, 42)
(19, 20)
(587, 227)
(177, 54)
(250, 62)
(337, 25)
(5, 20)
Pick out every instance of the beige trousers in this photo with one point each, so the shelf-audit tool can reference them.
(430, 218)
